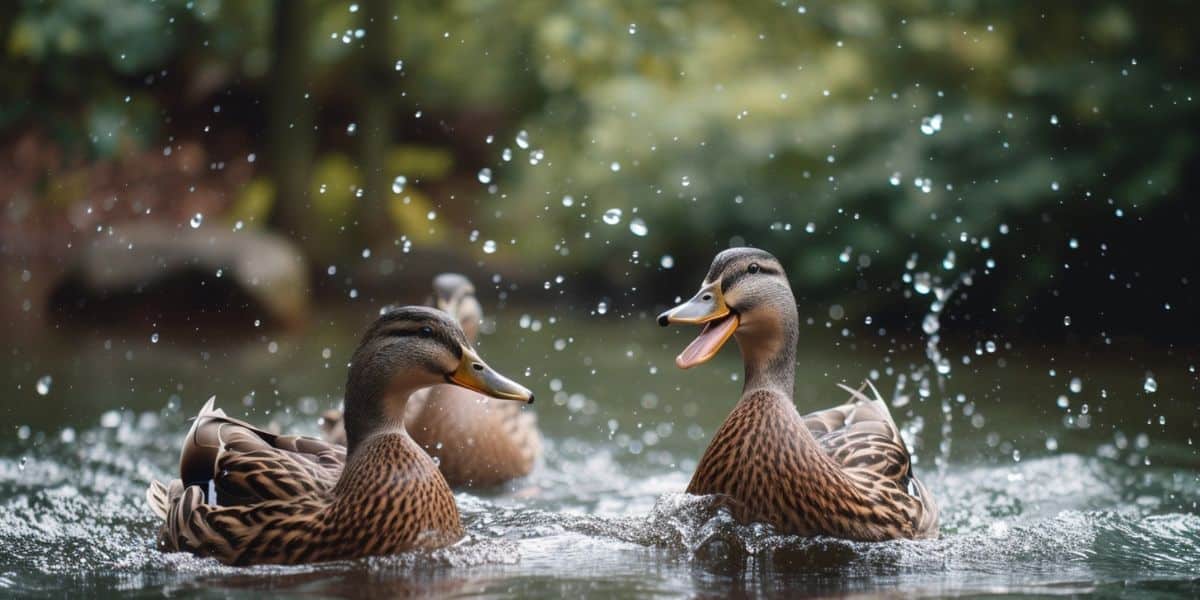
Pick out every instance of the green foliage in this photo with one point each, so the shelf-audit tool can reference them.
(730, 121)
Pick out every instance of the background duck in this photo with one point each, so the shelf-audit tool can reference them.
(475, 442)
(843, 472)
(247, 496)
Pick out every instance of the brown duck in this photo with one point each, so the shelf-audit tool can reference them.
(476, 443)
(246, 496)
(842, 472)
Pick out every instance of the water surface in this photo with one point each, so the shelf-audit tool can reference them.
(1036, 498)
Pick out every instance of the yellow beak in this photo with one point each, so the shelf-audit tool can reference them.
(706, 308)
(474, 374)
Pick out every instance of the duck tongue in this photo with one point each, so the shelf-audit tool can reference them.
(710, 340)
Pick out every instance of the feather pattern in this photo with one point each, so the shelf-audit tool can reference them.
(292, 499)
(843, 471)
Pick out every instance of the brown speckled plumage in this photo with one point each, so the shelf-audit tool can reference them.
(476, 441)
(843, 472)
(247, 496)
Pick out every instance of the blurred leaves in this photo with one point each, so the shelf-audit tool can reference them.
(715, 122)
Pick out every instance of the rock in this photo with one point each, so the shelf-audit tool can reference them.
(160, 269)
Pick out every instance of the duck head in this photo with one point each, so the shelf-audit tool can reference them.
(404, 350)
(745, 295)
(455, 295)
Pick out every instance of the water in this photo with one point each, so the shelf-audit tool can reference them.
(1113, 509)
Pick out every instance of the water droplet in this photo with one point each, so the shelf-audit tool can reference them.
(351, 128)
(931, 325)
(489, 247)
(922, 283)
(43, 384)
(667, 261)
(397, 184)
(931, 125)
(399, 65)
(523, 139)
(1066, 320)
(197, 219)
(948, 262)
(1054, 119)
(568, 201)
(612, 216)
(485, 176)
(154, 338)
(685, 181)
(895, 179)
(810, 227)
(602, 308)
(1076, 385)
(506, 154)
(632, 28)
(1150, 385)
(614, 167)
(638, 227)
(353, 8)
(1063, 401)
(845, 255)
(110, 419)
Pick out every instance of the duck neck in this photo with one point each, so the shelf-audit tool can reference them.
(375, 404)
(769, 352)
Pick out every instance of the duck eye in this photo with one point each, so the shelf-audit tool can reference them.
(425, 331)
(753, 268)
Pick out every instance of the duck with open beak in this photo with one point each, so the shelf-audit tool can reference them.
(844, 471)
(707, 308)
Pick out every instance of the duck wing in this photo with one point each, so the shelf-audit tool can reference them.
(275, 531)
(861, 437)
(241, 464)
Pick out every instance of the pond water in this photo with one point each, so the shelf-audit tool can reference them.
(1036, 497)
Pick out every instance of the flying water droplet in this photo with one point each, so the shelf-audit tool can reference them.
(523, 139)
(612, 216)
(931, 125)
(43, 385)
(154, 338)
(485, 176)
(638, 227)
(931, 325)
(489, 247)
(1150, 385)
(197, 219)
(667, 261)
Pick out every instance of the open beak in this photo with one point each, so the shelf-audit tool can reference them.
(706, 308)
(474, 374)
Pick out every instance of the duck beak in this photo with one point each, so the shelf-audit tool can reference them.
(706, 308)
(474, 374)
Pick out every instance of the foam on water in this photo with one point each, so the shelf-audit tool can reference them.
(73, 516)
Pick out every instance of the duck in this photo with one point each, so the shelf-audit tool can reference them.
(476, 443)
(246, 496)
(842, 472)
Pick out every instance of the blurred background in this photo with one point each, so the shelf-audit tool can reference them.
(205, 165)
(619, 145)
(988, 208)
